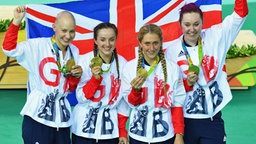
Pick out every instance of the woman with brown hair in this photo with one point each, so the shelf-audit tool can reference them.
(101, 114)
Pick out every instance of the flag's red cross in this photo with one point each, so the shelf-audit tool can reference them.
(127, 39)
(127, 35)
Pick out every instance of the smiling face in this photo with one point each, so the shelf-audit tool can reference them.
(191, 25)
(150, 45)
(64, 29)
(106, 42)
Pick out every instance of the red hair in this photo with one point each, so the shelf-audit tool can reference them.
(188, 8)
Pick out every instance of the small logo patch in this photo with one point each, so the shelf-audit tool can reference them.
(181, 53)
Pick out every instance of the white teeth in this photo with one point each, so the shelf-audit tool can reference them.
(151, 53)
(107, 49)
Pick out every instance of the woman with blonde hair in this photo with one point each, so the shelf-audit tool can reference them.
(154, 90)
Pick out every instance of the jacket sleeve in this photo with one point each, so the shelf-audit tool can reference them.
(179, 95)
(122, 125)
(11, 37)
(91, 86)
(72, 82)
(134, 97)
(241, 8)
(186, 86)
(178, 120)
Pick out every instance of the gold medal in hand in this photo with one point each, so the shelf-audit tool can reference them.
(97, 61)
(142, 72)
(193, 68)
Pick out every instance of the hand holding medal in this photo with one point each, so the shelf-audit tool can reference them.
(72, 69)
(140, 78)
(70, 63)
(193, 68)
(95, 66)
(142, 72)
(96, 61)
(192, 78)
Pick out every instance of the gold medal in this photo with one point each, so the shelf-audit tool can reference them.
(193, 68)
(70, 63)
(97, 61)
(142, 72)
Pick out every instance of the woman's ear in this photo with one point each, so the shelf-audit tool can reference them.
(54, 27)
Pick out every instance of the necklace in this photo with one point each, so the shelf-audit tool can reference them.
(106, 68)
(153, 66)
(56, 52)
(192, 67)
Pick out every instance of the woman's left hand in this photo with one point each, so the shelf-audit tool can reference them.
(123, 140)
(77, 71)
(192, 78)
(178, 139)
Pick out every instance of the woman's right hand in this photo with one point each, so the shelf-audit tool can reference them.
(19, 14)
(137, 82)
(96, 71)
(192, 78)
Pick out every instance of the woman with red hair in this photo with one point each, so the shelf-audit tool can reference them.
(201, 56)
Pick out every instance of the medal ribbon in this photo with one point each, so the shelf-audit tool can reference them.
(200, 52)
(153, 66)
(56, 52)
(112, 58)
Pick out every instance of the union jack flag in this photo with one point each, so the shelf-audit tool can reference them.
(127, 15)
